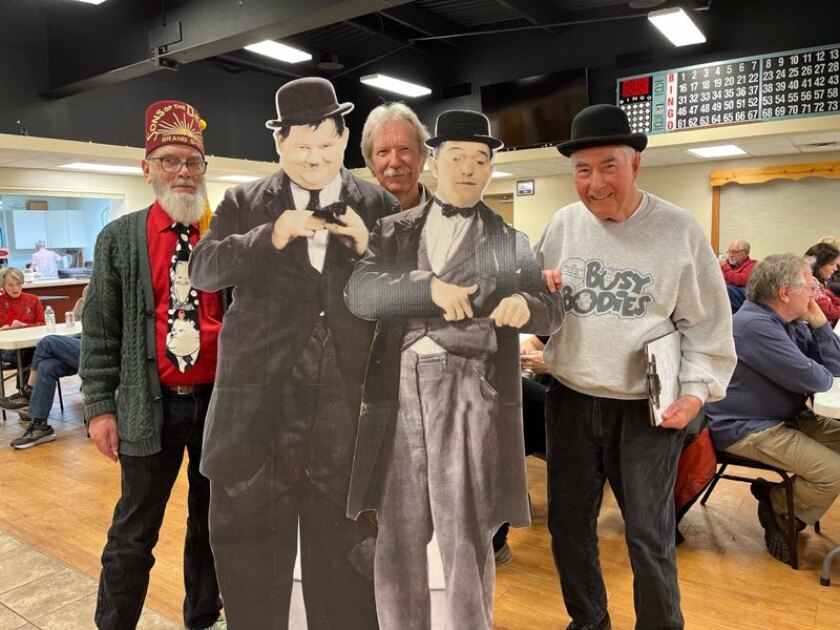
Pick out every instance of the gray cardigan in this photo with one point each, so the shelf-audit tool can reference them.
(118, 344)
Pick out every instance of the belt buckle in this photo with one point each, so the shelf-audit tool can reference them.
(184, 390)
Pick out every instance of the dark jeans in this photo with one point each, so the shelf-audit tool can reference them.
(55, 356)
(590, 441)
(146, 485)
(737, 295)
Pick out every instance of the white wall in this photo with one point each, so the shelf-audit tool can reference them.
(685, 185)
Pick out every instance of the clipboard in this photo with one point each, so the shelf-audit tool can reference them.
(662, 374)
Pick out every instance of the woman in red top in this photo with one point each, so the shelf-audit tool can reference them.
(18, 310)
(825, 264)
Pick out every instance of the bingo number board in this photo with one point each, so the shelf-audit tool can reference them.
(781, 85)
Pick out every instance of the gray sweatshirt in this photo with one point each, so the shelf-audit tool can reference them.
(631, 282)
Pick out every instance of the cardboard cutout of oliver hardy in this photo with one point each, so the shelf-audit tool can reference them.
(278, 444)
(440, 443)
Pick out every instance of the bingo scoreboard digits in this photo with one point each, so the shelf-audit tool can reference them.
(768, 87)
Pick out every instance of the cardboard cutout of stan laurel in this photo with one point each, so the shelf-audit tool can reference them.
(440, 444)
(281, 428)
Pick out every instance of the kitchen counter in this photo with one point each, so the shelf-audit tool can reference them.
(60, 293)
(55, 282)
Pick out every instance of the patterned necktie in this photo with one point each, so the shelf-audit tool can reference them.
(327, 212)
(448, 210)
(183, 339)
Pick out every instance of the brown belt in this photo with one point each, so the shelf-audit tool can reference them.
(187, 390)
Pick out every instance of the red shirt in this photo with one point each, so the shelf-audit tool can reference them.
(162, 239)
(737, 276)
(26, 308)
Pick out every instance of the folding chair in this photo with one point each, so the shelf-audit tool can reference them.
(725, 459)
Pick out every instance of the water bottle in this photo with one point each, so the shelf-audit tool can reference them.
(49, 317)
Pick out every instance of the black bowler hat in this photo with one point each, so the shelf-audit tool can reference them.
(306, 101)
(601, 126)
(463, 125)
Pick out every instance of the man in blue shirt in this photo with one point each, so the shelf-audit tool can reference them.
(786, 351)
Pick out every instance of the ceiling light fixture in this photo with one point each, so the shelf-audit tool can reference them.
(279, 51)
(676, 26)
(719, 151)
(92, 1)
(501, 174)
(398, 86)
(238, 179)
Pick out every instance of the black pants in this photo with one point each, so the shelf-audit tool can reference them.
(303, 483)
(591, 441)
(146, 485)
(533, 424)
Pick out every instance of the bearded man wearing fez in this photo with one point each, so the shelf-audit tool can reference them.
(282, 422)
(440, 437)
(148, 360)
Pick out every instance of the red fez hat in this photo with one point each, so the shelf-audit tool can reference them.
(173, 122)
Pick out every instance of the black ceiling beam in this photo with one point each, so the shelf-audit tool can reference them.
(533, 12)
(84, 44)
(372, 25)
(422, 20)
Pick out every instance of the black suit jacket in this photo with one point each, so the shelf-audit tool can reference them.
(388, 287)
(277, 298)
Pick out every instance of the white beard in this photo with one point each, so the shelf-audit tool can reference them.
(184, 208)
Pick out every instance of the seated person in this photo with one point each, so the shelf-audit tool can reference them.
(55, 356)
(786, 350)
(823, 267)
(17, 310)
(833, 282)
(736, 271)
(535, 380)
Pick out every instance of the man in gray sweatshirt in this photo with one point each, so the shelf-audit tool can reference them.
(634, 268)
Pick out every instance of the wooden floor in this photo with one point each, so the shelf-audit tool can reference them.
(59, 497)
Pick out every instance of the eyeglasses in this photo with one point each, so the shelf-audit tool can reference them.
(173, 164)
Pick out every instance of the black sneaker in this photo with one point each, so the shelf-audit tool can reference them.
(18, 400)
(603, 624)
(23, 415)
(774, 538)
(504, 556)
(37, 433)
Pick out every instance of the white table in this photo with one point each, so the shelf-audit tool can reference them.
(828, 404)
(21, 338)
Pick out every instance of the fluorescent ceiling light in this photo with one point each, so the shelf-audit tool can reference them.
(276, 50)
(239, 179)
(398, 86)
(722, 150)
(103, 168)
(501, 174)
(677, 26)
(93, 1)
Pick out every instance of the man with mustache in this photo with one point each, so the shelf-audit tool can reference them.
(282, 422)
(145, 404)
(393, 145)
